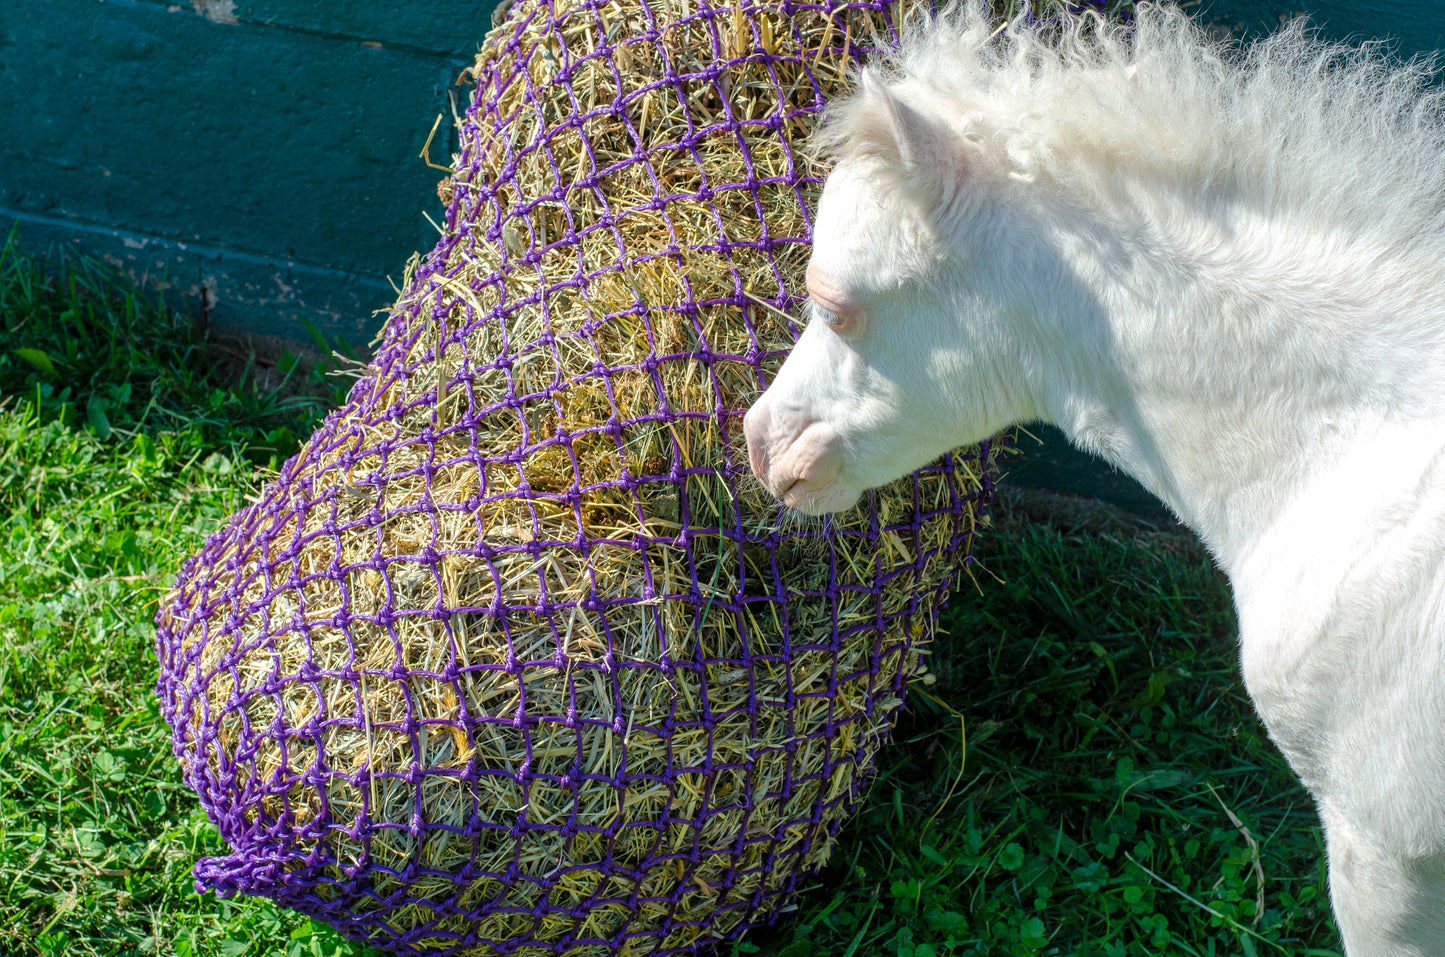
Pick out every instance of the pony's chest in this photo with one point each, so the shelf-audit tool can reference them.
(1342, 632)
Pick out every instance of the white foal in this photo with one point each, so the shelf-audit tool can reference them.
(1225, 274)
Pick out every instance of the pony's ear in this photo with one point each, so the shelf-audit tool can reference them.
(929, 154)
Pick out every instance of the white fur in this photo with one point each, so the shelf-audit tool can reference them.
(1225, 274)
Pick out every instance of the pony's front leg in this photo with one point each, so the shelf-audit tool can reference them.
(1356, 718)
(1370, 759)
(1387, 903)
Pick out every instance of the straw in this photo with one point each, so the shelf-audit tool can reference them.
(515, 656)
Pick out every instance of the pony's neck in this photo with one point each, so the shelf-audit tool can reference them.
(1233, 361)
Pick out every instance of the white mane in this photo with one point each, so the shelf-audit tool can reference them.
(1292, 123)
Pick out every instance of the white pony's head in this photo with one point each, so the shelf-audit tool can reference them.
(909, 349)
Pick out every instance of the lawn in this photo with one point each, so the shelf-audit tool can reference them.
(1081, 772)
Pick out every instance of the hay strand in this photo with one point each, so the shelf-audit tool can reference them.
(515, 656)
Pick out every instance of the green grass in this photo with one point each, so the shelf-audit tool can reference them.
(120, 448)
(1116, 794)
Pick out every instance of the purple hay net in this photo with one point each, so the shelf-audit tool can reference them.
(515, 657)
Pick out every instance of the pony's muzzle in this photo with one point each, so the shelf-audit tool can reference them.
(799, 462)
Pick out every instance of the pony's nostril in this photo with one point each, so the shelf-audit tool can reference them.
(757, 459)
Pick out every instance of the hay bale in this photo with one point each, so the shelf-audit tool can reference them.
(515, 657)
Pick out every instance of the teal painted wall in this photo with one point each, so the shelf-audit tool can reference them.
(262, 150)
(1411, 26)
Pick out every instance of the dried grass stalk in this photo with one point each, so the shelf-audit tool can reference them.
(515, 657)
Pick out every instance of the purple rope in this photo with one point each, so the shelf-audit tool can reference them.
(245, 592)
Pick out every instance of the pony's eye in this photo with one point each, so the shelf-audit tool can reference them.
(846, 321)
(832, 305)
